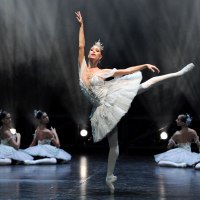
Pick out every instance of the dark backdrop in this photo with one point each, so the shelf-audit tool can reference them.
(38, 63)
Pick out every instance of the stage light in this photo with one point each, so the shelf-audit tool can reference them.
(83, 132)
(163, 135)
(13, 131)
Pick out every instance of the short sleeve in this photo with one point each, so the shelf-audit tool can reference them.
(106, 73)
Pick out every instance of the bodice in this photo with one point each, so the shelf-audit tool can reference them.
(6, 141)
(186, 146)
(44, 141)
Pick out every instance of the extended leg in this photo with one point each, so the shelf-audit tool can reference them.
(160, 79)
(171, 164)
(5, 161)
(112, 157)
(41, 161)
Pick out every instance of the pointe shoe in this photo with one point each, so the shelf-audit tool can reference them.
(183, 165)
(197, 166)
(187, 68)
(109, 182)
(29, 162)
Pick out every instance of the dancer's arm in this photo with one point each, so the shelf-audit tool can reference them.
(14, 142)
(133, 69)
(55, 140)
(196, 140)
(35, 139)
(81, 38)
(172, 142)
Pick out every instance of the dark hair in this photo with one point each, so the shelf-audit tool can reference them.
(38, 114)
(186, 118)
(3, 114)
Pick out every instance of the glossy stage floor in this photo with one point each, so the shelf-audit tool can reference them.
(84, 178)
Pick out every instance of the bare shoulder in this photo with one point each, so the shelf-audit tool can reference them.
(175, 135)
(6, 134)
(192, 131)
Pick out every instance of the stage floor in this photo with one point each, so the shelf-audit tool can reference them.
(139, 178)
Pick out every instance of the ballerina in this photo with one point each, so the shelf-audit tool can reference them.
(10, 143)
(111, 99)
(181, 156)
(43, 137)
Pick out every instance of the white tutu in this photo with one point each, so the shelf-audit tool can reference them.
(47, 150)
(111, 99)
(11, 153)
(179, 155)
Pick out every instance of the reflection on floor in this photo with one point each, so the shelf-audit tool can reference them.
(84, 178)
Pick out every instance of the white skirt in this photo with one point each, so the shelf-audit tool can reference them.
(46, 150)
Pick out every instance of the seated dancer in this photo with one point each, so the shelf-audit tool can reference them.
(181, 156)
(111, 99)
(43, 137)
(10, 143)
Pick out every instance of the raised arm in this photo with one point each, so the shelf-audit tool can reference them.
(81, 38)
(133, 69)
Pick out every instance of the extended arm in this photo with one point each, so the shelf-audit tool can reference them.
(133, 69)
(81, 38)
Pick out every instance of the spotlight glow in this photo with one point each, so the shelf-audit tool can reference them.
(83, 133)
(163, 135)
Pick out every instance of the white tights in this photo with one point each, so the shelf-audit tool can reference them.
(171, 164)
(5, 161)
(113, 152)
(160, 79)
(41, 161)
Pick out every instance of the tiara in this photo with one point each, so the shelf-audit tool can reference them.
(99, 44)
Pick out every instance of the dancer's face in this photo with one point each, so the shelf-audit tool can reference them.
(7, 119)
(179, 121)
(44, 118)
(95, 53)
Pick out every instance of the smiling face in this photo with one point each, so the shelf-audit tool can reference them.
(95, 54)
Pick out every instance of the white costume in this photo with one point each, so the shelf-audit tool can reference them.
(45, 149)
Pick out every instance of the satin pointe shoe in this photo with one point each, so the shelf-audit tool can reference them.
(109, 182)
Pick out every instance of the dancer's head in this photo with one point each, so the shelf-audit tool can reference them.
(5, 118)
(95, 53)
(184, 120)
(41, 116)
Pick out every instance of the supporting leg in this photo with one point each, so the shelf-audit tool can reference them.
(112, 157)
(160, 79)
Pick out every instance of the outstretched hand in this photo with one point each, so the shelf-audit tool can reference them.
(79, 17)
(153, 68)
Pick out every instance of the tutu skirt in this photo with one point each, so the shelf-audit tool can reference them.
(178, 155)
(46, 150)
(11, 153)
